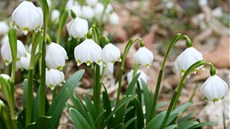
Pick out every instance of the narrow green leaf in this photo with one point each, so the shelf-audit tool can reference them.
(126, 125)
(90, 106)
(56, 108)
(203, 124)
(43, 122)
(171, 127)
(25, 85)
(79, 121)
(131, 86)
(61, 24)
(4, 113)
(187, 125)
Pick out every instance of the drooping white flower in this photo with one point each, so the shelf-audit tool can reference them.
(87, 12)
(27, 17)
(107, 69)
(143, 57)
(5, 39)
(91, 2)
(55, 15)
(88, 52)
(203, 2)
(108, 9)
(142, 76)
(5, 76)
(77, 27)
(113, 19)
(98, 10)
(217, 12)
(214, 89)
(54, 77)
(188, 57)
(75, 7)
(24, 62)
(6, 51)
(55, 56)
(30, 49)
(4, 28)
(110, 53)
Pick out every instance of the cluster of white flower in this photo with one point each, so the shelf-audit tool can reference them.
(93, 9)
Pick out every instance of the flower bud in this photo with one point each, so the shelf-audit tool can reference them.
(27, 17)
(55, 56)
(54, 77)
(87, 12)
(77, 27)
(142, 76)
(5, 76)
(214, 89)
(143, 57)
(4, 28)
(114, 19)
(24, 62)
(88, 52)
(188, 57)
(6, 51)
(110, 54)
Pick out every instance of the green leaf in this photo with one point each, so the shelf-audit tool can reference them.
(156, 121)
(79, 121)
(187, 125)
(131, 86)
(61, 24)
(43, 122)
(203, 124)
(100, 120)
(56, 108)
(2, 123)
(22, 117)
(171, 127)
(185, 118)
(25, 85)
(107, 107)
(126, 125)
(5, 116)
(90, 107)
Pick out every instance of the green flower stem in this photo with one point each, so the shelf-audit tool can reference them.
(13, 46)
(135, 69)
(29, 97)
(127, 48)
(45, 10)
(173, 42)
(61, 24)
(97, 89)
(179, 88)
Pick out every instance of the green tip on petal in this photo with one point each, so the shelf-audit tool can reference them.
(59, 68)
(78, 62)
(147, 65)
(52, 87)
(215, 100)
(88, 63)
(25, 30)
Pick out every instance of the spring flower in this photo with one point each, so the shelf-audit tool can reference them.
(4, 28)
(107, 69)
(74, 6)
(6, 51)
(88, 52)
(87, 12)
(27, 17)
(91, 2)
(203, 2)
(108, 9)
(214, 89)
(113, 19)
(24, 62)
(5, 76)
(143, 57)
(5, 39)
(55, 56)
(77, 27)
(54, 77)
(55, 15)
(110, 53)
(188, 57)
(142, 76)
(98, 10)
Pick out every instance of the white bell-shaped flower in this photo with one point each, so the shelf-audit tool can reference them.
(107, 69)
(143, 57)
(77, 27)
(24, 62)
(98, 11)
(55, 56)
(75, 7)
(6, 51)
(214, 89)
(110, 53)
(55, 15)
(4, 27)
(203, 2)
(88, 52)
(109, 9)
(113, 18)
(54, 77)
(142, 76)
(87, 12)
(5, 76)
(5, 39)
(27, 17)
(188, 57)
(91, 2)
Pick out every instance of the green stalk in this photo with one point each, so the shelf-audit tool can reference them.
(173, 42)
(179, 88)
(97, 89)
(127, 48)
(29, 97)
(45, 10)
(13, 46)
